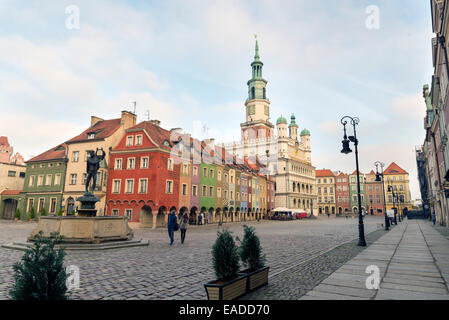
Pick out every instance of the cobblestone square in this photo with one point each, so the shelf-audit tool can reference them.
(179, 272)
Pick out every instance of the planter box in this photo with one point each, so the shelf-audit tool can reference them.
(256, 279)
(226, 291)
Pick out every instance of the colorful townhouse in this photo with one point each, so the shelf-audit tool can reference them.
(144, 178)
(398, 179)
(353, 191)
(44, 181)
(342, 194)
(326, 191)
(374, 195)
(101, 133)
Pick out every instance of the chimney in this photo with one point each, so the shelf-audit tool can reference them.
(128, 119)
(94, 120)
(175, 134)
(156, 122)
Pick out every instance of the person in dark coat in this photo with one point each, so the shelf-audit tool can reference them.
(183, 221)
(172, 220)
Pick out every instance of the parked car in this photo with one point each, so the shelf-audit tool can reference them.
(301, 215)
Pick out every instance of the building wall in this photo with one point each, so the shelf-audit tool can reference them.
(342, 195)
(12, 176)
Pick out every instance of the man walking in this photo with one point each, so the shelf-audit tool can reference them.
(183, 226)
(172, 220)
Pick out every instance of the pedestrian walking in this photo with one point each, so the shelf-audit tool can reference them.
(200, 219)
(171, 225)
(183, 226)
(328, 215)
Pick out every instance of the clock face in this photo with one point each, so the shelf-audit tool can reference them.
(259, 86)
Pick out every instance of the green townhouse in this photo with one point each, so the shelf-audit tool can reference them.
(208, 180)
(44, 182)
(353, 191)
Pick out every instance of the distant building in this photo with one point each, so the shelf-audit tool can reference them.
(325, 182)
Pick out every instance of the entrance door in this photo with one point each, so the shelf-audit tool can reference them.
(9, 209)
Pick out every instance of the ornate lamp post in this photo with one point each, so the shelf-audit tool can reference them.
(378, 179)
(346, 149)
(390, 189)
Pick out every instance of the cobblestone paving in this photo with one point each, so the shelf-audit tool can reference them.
(179, 272)
(296, 282)
(444, 231)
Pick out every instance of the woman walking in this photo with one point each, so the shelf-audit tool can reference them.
(183, 226)
(171, 223)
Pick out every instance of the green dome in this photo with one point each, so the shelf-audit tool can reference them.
(305, 132)
(281, 119)
(293, 123)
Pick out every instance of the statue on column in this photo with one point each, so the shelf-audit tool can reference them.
(93, 165)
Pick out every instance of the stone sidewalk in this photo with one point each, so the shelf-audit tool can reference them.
(413, 260)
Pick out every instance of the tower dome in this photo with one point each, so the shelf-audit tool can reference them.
(280, 120)
(305, 132)
(293, 122)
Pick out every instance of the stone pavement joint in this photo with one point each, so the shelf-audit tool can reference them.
(413, 259)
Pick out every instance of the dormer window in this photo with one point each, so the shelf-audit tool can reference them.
(91, 135)
(129, 141)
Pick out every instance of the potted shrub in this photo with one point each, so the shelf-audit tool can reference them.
(17, 215)
(225, 259)
(251, 255)
(32, 214)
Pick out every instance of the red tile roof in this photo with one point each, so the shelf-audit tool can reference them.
(393, 168)
(4, 141)
(58, 152)
(324, 173)
(11, 192)
(102, 129)
(342, 174)
(157, 134)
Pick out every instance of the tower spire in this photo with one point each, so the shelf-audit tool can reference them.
(256, 56)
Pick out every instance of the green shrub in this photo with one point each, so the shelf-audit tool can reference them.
(225, 258)
(32, 213)
(250, 250)
(43, 212)
(40, 275)
(17, 215)
(60, 212)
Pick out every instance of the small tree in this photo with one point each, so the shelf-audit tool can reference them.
(60, 212)
(225, 257)
(40, 275)
(250, 250)
(43, 212)
(17, 215)
(32, 213)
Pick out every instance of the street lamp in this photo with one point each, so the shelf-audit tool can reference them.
(346, 149)
(399, 206)
(390, 189)
(378, 179)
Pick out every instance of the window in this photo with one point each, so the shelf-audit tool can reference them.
(195, 171)
(378, 198)
(226, 194)
(232, 195)
(48, 179)
(84, 178)
(75, 156)
(129, 141)
(57, 179)
(30, 204)
(143, 185)
(115, 212)
(185, 168)
(331, 190)
(170, 164)
(401, 188)
(144, 163)
(139, 140)
(118, 164)
(232, 179)
(194, 190)
(131, 163)
(90, 136)
(211, 173)
(116, 186)
(204, 191)
(40, 180)
(32, 181)
(184, 189)
(11, 173)
(219, 175)
(129, 185)
(41, 204)
(52, 205)
(169, 186)
(73, 179)
(218, 192)
(211, 191)
(22, 174)
(129, 213)
(204, 172)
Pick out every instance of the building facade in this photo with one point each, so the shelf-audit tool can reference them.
(325, 181)
(342, 195)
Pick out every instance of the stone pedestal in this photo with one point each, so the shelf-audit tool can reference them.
(88, 201)
(85, 229)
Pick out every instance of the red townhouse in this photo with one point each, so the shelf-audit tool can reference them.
(143, 180)
(342, 193)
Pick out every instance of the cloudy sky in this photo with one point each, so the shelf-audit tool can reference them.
(188, 62)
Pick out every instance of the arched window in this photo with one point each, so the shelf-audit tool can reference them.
(264, 93)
